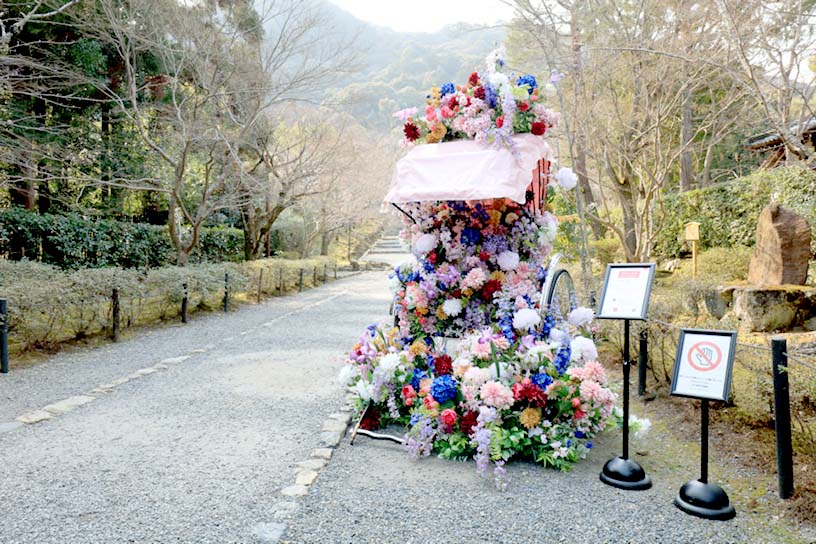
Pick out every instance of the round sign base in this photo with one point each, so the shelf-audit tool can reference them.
(625, 474)
(704, 500)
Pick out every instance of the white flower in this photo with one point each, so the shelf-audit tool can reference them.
(639, 426)
(538, 353)
(559, 338)
(347, 374)
(476, 376)
(461, 365)
(583, 349)
(394, 284)
(452, 307)
(364, 390)
(566, 178)
(508, 260)
(424, 244)
(505, 370)
(526, 318)
(581, 316)
(548, 231)
(389, 364)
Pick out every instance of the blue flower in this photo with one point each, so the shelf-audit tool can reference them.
(579, 434)
(428, 266)
(471, 236)
(562, 359)
(448, 88)
(430, 361)
(415, 417)
(491, 97)
(588, 445)
(528, 79)
(542, 380)
(541, 275)
(419, 375)
(443, 389)
(569, 443)
(547, 326)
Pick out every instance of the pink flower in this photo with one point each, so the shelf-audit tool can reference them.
(430, 403)
(448, 418)
(497, 395)
(592, 392)
(425, 387)
(447, 113)
(474, 279)
(430, 113)
(594, 371)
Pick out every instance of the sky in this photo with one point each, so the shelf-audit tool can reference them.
(426, 15)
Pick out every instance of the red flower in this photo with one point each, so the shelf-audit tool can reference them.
(484, 255)
(524, 106)
(432, 257)
(453, 102)
(500, 121)
(457, 293)
(467, 422)
(474, 79)
(408, 392)
(479, 93)
(411, 131)
(490, 287)
(538, 128)
(443, 365)
(448, 418)
(530, 392)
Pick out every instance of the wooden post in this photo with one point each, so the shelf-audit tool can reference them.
(115, 314)
(694, 259)
(280, 280)
(260, 285)
(300, 283)
(314, 277)
(184, 302)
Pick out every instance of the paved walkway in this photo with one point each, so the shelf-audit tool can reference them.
(195, 449)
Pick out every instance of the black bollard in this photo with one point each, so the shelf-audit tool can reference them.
(4, 356)
(782, 417)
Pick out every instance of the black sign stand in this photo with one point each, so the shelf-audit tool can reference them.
(699, 497)
(622, 472)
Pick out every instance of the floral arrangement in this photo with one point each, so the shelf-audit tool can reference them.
(489, 108)
(539, 396)
(474, 264)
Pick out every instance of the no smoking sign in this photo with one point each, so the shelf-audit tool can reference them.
(703, 366)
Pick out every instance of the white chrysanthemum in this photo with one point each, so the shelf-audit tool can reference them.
(452, 307)
(526, 318)
(507, 374)
(583, 349)
(538, 354)
(364, 390)
(347, 374)
(566, 178)
(476, 376)
(508, 260)
(581, 316)
(389, 363)
(424, 244)
(559, 338)
(461, 365)
(548, 231)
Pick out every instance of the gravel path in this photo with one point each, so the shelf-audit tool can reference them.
(374, 493)
(195, 453)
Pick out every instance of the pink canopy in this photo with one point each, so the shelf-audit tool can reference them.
(466, 170)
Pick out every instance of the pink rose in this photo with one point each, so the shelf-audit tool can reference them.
(447, 113)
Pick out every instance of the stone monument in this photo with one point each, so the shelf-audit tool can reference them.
(782, 248)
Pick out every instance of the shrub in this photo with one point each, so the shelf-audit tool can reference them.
(728, 212)
(73, 242)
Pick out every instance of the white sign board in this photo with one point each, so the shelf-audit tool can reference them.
(703, 366)
(626, 291)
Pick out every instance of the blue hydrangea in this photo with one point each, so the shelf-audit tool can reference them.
(562, 359)
(542, 380)
(419, 375)
(579, 434)
(448, 88)
(528, 79)
(428, 266)
(471, 236)
(443, 389)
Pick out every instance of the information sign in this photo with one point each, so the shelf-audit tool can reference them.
(703, 366)
(626, 291)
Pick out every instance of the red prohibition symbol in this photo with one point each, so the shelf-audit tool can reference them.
(704, 356)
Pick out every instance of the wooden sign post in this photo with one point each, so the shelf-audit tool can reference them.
(703, 371)
(625, 296)
(693, 235)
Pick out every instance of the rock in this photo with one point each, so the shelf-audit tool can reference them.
(322, 453)
(312, 464)
(773, 308)
(269, 533)
(7, 426)
(305, 477)
(146, 371)
(782, 248)
(175, 360)
(330, 439)
(29, 418)
(333, 425)
(810, 324)
(295, 491)
(715, 304)
(68, 405)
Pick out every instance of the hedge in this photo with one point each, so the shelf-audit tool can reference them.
(72, 241)
(728, 212)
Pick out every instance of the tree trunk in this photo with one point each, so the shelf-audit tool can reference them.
(325, 242)
(686, 134)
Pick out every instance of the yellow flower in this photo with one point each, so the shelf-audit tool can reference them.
(495, 217)
(497, 275)
(418, 348)
(530, 417)
(437, 133)
(440, 313)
